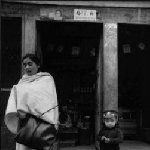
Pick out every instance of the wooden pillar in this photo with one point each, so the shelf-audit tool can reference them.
(110, 67)
(99, 89)
(29, 35)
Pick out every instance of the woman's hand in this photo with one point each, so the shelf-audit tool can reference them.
(21, 114)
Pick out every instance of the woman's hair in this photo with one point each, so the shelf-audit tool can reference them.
(33, 57)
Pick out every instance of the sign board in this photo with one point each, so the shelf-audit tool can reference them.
(84, 14)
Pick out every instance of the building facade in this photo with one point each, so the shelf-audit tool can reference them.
(95, 45)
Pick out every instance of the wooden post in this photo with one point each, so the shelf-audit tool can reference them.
(28, 35)
(98, 106)
(110, 76)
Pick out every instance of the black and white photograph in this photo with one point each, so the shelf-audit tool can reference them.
(75, 74)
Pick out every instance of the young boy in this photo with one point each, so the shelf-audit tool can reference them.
(110, 136)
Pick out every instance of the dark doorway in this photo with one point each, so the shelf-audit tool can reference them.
(11, 37)
(70, 53)
(134, 77)
(11, 29)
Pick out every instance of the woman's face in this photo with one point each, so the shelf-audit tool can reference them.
(30, 67)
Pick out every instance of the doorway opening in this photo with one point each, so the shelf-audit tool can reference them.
(11, 38)
(134, 77)
(10, 68)
(70, 52)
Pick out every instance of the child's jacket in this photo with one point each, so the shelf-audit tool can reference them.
(114, 134)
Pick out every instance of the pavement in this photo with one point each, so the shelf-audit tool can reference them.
(126, 145)
(134, 145)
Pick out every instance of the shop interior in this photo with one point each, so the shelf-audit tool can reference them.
(10, 69)
(11, 34)
(69, 51)
(133, 79)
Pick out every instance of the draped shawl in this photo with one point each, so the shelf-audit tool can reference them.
(33, 94)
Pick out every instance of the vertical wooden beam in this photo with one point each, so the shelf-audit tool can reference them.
(28, 35)
(98, 106)
(23, 35)
(110, 56)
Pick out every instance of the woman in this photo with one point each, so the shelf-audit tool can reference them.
(35, 93)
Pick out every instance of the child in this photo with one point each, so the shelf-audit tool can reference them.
(110, 136)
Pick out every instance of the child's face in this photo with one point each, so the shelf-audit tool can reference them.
(110, 122)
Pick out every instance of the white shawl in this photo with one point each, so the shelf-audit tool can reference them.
(33, 94)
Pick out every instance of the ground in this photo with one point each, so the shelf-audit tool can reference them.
(126, 145)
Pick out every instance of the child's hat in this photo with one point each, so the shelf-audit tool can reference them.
(110, 114)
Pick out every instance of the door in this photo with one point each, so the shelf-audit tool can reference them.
(10, 67)
(70, 52)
